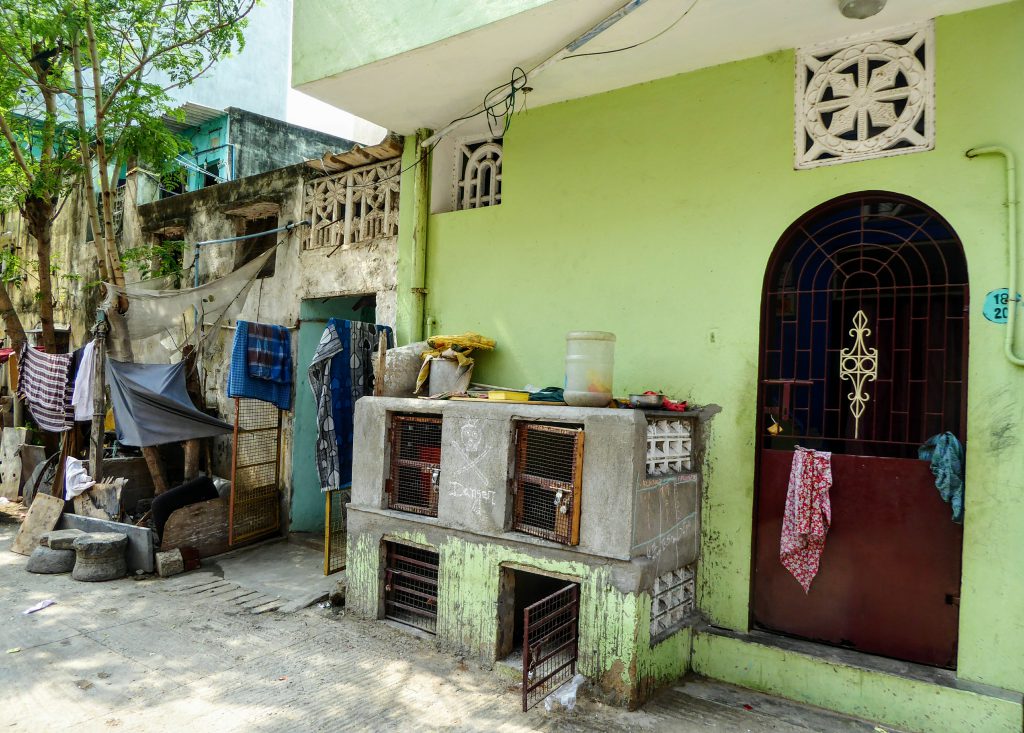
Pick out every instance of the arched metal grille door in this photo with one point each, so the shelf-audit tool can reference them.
(864, 354)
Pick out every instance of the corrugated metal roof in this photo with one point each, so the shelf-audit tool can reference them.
(358, 156)
(195, 115)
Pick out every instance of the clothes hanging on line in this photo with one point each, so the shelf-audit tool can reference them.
(152, 405)
(340, 373)
(946, 455)
(808, 514)
(161, 311)
(44, 383)
(241, 383)
(270, 353)
(81, 397)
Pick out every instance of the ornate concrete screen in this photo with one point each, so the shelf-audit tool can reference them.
(353, 208)
(870, 97)
(672, 601)
(478, 174)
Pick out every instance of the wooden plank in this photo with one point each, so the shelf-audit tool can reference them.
(11, 466)
(101, 501)
(42, 517)
(202, 526)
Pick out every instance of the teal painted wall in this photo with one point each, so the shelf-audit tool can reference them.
(307, 501)
(690, 181)
(331, 37)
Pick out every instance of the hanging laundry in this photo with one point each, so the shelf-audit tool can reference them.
(44, 383)
(241, 383)
(808, 514)
(270, 353)
(341, 372)
(81, 397)
(152, 406)
(946, 455)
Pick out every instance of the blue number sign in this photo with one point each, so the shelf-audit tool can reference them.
(997, 305)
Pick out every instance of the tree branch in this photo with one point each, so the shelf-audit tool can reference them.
(16, 149)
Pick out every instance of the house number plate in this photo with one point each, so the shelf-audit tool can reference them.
(997, 305)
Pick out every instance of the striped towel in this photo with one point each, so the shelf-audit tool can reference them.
(44, 382)
(269, 352)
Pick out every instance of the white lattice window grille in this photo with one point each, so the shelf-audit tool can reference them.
(871, 97)
(478, 174)
(353, 208)
(673, 600)
(669, 446)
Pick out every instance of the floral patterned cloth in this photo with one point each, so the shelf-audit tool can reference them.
(808, 514)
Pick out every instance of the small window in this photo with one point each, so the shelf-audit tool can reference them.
(249, 249)
(410, 586)
(478, 169)
(415, 442)
(211, 173)
(548, 481)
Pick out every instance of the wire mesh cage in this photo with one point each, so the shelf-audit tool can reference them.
(255, 505)
(550, 644)
(410, 586)
(415, 463)
(335, 556)
(548, 481)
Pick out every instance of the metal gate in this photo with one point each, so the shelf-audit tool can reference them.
(255, 507)
(410, 586)
(550, 644)
(864, 354)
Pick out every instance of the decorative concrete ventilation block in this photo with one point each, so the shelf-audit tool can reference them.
(60, 539)
(669, 447)
(100, 556)
(673, 599)
(47, 561)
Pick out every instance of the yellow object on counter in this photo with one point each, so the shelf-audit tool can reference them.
(458, 348)
(505, 396)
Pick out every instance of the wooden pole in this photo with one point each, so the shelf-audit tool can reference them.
(99, 401)
(382, 353)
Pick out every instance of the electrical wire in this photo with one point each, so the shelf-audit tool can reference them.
(657, 35)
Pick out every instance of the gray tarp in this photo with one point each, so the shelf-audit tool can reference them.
(152, 406)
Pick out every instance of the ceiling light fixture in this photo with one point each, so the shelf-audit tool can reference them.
(860, 9)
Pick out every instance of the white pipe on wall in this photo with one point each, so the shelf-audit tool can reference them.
(1010, 161)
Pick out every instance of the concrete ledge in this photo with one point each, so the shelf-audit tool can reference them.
(899, 700)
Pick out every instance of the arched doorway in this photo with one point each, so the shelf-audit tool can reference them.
(864, 354)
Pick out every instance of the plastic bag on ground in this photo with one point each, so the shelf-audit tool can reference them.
(564, 696)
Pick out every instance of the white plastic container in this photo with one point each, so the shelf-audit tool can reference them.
(589, 364)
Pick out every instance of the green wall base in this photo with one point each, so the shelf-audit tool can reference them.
(910, 704)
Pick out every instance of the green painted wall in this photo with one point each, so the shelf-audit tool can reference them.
(331, 37)
(614, 627)
(689, 181)
(307, 501)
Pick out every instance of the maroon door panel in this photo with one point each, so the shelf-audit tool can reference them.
(889, 579)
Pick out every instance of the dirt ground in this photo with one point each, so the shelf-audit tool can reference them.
(161, 655)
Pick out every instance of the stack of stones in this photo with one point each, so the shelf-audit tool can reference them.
(91, 556)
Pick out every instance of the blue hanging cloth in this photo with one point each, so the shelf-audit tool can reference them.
(946, 455)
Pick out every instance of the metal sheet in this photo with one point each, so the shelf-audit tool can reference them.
(889, 581)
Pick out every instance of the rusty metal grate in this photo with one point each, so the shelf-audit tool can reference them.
(255, 506)
(865, 329)
(334, 531)
(415, 463)
(550, 644)
(410, 586)
(548, 481)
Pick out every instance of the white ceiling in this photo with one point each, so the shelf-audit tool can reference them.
(429, 86)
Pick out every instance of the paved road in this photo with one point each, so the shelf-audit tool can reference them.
(155, 655)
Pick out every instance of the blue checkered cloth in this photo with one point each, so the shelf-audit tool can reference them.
(242, 384)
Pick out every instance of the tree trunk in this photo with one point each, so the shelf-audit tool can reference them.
(15, 331)
(39, 212)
